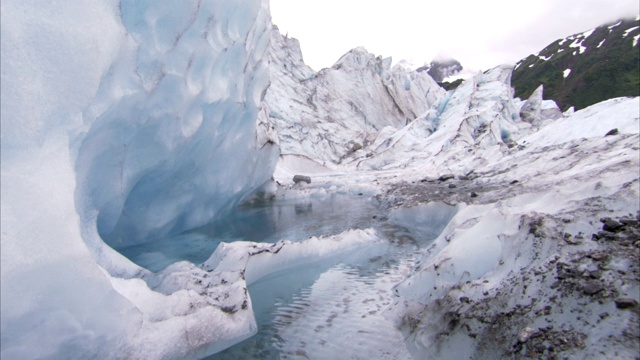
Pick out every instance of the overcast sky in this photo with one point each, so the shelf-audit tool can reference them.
(479, 33)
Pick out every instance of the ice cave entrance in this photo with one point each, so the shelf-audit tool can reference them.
(331, 308)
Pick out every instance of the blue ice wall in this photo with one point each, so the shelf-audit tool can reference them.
(173, 141)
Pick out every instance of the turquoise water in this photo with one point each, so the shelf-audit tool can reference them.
(335, 309)
(267, 221)
(329, 309)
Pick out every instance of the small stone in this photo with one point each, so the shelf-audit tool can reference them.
(514, 182)
(526, 334)
(568, 238)
(465, 299)
(599, 256)
(612, 225)
(464, 177)
(452, 186)
(592, 287)
(299, 178)
(605, 235)
(473, 194)
(612, 132)
(629, 221)
(604, 315)
(446, 177)
(626, 303)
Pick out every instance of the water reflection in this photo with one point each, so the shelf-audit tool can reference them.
(334, 310)
(264, 221)
(327, 309)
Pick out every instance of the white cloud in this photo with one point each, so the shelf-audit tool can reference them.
(480, 34)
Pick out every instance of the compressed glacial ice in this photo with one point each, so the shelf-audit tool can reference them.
(118, 121)
(150, 164)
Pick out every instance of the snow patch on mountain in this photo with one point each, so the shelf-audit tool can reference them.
(629, 30)
(441, 68)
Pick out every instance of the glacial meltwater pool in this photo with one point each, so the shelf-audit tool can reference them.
(330, 309)
(263, 221)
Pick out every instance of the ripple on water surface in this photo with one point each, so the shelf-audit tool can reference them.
(336, 310)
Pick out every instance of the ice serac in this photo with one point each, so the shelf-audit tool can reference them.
(536, 109)
(128, 120)
(326, 117)
(464, 129)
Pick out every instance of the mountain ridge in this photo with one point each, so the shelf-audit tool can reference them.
(585, 68)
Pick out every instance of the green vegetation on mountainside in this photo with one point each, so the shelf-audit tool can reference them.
(608, 67)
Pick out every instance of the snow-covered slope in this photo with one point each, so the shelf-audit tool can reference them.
(498, 274)
(441, 68)
(326, 116)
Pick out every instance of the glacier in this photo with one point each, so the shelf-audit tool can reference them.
(116, 123)
(131, 123)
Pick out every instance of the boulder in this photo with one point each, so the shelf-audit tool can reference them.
(298, 178)
(526, 334)
(611, 225)
(626, 303)
(592, 287)
(612, 132)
